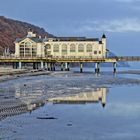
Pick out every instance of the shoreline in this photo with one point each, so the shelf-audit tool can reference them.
(11, 74)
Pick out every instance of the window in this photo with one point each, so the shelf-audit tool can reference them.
(27, 49)
(80, 48)
(56, 48)
(48, 46)
(89, 48)
(72, 48)
(28, 44)
(64, 48)
(22, 45)
(47, 49)
(95, 52)
(99, 52)
(21, 49)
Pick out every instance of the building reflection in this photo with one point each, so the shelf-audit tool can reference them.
(30, 95)
(29, 98)
(96, 96)
(26, 99)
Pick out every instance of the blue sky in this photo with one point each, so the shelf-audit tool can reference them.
(119, 19)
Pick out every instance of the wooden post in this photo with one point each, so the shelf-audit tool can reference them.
(68, 66)
(81, 67)
(34, 65)
(114, 65)
(96, 67)
(16, 65)
(54, 66)
(37, 65)
(61, 66)
(13, 65)
(48, 66)
(51, 64)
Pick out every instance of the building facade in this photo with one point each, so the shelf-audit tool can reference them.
(33, 46)
(97, 95)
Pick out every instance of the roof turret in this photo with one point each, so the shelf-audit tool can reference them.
(103, 36)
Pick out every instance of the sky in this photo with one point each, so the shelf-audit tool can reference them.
(118, 19)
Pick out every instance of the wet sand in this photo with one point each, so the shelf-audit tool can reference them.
(40, 86)
(10, 73)
(130, 72)
(27, 91)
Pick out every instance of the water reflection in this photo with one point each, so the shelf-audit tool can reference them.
(25, 100)
(95, 96)
(30, 95)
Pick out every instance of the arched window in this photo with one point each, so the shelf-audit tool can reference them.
(55, 48)
(48, 46)
(22, 44)
(21, 49)
(80, 48)
(34, 50)
(28, 44)
(89, 48)
(28, 49)
(64, 49)
(47, 49)
(72, 48)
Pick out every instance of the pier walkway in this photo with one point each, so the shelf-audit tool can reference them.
(68, 59)
(50, 62)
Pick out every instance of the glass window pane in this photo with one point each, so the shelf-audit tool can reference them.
(89, 48)
(81, 48)
(72, 48)
(56, 48)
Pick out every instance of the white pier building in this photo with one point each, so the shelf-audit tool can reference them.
(33, 46)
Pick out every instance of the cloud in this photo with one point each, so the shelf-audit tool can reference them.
(117, 25)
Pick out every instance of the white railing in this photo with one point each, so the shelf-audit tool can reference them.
(62, 57)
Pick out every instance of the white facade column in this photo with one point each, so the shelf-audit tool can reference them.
(43, 50)
(17, 52)
(104, 46)
(76, 49)
(39, 50)
(85, 48)
(68, 50)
